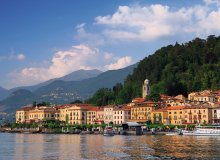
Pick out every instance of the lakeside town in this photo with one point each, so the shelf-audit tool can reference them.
(198, 108)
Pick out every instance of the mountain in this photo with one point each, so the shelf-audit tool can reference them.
(174, 69)
(80, 75)
(181, 68)
(16, 100)
(62, 91)
(65, 92)
(74, 76)
(3, 93)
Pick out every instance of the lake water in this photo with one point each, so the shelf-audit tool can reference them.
(68, 147)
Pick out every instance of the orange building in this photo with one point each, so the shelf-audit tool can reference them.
(160, 116)
(176, 115)
(141, 112)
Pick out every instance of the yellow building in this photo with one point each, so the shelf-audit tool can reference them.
(39, 114)
(176, 115)
(92, 114)
(160, 116)
(78, 113)
(141, 112)
(198, 114)
(22, 115)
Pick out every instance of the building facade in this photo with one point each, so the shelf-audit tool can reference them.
(160, 116)
(176, 115)
(141, 112)
(198, 114)
(121, 114)
(108, 114)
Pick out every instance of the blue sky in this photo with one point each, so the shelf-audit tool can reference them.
(42, 39)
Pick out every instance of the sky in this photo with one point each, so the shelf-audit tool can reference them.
(41, 40)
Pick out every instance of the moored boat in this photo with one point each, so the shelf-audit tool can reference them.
(177, 132)
(204, 131)
(109, 131)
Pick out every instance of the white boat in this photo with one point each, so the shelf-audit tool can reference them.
(109, 131)
(177, 132)
(203, 131)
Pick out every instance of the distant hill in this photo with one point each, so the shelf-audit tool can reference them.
(74, 76)
(3, 93)
(60, 91)
(82, 89)
(17, 99)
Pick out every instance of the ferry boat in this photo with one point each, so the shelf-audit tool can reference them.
(203, 131)
(109, 131)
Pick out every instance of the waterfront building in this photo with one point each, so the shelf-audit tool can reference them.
(121, 114)
(77, 114)
(39, 114)
(108, 114)
(216, 115)
(22, 114)
(145, 88)
(141, 112)
(198, 114)
(176, 115)
(100, 116)
(160, 116)
(91, 114)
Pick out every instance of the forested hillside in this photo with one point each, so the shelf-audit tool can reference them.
(174, 69)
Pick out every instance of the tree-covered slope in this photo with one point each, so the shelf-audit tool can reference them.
(174, 69)
(180, 69)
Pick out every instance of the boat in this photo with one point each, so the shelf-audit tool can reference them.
(109, 131)
(177, 132)
(203, 131)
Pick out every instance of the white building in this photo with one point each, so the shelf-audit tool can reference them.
(121, 114)
(108, 114)
(216, 115)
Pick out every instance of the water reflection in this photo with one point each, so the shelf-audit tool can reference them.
(62, 147)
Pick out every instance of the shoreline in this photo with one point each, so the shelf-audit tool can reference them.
(79, 133)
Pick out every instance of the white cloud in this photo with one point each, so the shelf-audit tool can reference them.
(108, 56)
(91, 39)
(147, 23)
(120, 63)
(20, 57)
(64, 62)
(210, 2)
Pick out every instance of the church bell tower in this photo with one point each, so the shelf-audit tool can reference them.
(145, 88)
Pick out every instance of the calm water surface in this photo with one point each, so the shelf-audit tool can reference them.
(68, 147)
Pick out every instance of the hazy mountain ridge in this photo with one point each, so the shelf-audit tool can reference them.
(60, 91)
(74, 76)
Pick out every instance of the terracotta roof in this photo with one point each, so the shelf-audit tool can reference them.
(160, 110)
(198, 107)
(109, 106)
(138, 100)
(27, 108)
(176, 107)
(100, 109)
